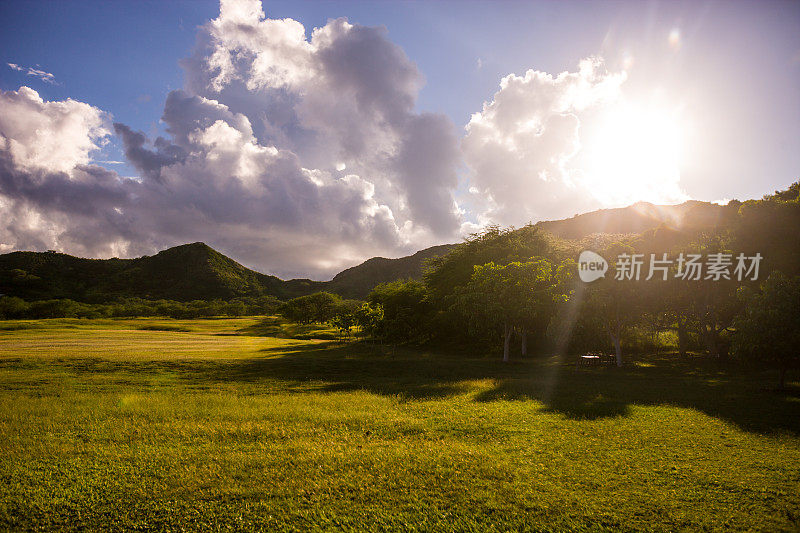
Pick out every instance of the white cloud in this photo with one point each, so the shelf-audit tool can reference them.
(255, 158)
(343, 98)
(51, 136)
(520, 145)
(36, 73)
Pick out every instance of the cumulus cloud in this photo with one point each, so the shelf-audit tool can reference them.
(344, 96)
(50, 194)
(53, 136)
(36, 73)
(520, 145)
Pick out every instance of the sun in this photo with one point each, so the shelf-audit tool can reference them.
(635, 153)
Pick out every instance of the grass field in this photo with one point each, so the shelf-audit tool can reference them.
(213, 425)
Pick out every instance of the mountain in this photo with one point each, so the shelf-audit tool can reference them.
(188, 272)
(198, 272)
(357, 281)
(642, 216)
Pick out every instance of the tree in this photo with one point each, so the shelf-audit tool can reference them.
(406, 309)
(513, 297)
(769, 325)
(319, 307)
(344, 317)
(369, 319)
(610, 306)
(495, 245)
(12, 307)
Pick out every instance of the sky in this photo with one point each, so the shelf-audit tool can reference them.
(304, 137)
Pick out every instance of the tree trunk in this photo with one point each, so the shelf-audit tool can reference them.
(524, 343)
(710, 340)
(683, 338)
(782, 378)
(617, 348)
(507, 341)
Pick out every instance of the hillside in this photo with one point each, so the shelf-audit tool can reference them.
(642, 216)
(357, 281)
(198, 272)
(188, 272)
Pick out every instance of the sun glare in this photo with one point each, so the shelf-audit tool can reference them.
(635, 155)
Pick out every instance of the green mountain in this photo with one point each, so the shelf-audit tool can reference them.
(198, 272)
(357, 281)
(188, 272)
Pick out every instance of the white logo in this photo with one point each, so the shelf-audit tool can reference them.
(591, 266)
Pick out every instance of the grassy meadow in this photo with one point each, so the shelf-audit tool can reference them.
(252, 423)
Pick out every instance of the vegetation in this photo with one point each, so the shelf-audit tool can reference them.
(769, 326)
(505, 282)
(17, 308)
(498, 284)
(517, 297)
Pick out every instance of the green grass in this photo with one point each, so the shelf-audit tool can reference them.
(136, 424)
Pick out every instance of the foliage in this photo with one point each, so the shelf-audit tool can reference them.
(319, 307)
(769, 327)
(16, 308)
(183, 273)
(406, 310)
(518, 296)
(493, 245)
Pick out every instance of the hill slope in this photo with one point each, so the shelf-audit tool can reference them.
(643, 216)
(188, 272)
(357, 281)
(198, 272)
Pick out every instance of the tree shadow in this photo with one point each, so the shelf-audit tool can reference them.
(588, 394)
(732, 395)
(334, 367)
(728, 394)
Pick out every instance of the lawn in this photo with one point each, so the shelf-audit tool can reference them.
(213, 425)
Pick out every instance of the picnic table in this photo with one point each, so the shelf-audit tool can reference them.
(595, 359)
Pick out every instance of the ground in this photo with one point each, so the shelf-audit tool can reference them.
(213, 424)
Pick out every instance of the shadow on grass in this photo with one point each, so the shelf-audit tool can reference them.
(591, 393)
(283, 329)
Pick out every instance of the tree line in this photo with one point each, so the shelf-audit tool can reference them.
(13, 308)
(503, 286)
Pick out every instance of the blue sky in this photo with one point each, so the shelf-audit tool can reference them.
(732, 69)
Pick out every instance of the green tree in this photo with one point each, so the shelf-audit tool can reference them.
(406, 309)
(12, 307)
(768, 328)
(513, 297)
(344, 318)
(319, 307)
(493, 245)
(369, 319)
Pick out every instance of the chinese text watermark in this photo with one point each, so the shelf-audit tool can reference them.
(690, 267)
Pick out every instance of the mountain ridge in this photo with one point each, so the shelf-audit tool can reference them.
(195, 271)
